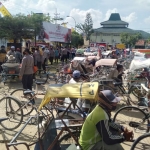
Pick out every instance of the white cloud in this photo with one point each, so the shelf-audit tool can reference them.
(130, 18)
(80, 15)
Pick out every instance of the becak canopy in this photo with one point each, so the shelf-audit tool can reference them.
(139, 64)
(88, 90)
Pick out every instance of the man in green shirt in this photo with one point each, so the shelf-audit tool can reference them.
(99, 132)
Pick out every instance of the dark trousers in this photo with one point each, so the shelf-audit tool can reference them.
(56, 59)
(51, 60)
(27, 81)
(73, 55)
(64, 58)
(39, 64)
(1, 67)
(68, 54)
(44, 64)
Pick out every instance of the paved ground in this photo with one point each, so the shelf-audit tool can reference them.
(30, 130)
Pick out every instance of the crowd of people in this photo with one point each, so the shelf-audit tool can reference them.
(98, 131)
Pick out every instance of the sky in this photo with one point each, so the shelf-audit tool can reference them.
(135, 12)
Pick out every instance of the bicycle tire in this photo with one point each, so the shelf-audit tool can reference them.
(137, 92)
(12, 113)
(67, 136)
(27, 109)
(137, 141)
(133, 118)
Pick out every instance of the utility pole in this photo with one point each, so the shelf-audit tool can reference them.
(57, 17)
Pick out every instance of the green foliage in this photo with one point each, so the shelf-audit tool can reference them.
(21, 27)
(130, 39)
(87, 27)
(76, 39)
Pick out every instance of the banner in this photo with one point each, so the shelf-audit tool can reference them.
(55, 33)
(3, 10)
(85, 90)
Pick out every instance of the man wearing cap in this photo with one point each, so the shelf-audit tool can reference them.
(11, 51)
(84, 104)
(99, 132)
(26, 70)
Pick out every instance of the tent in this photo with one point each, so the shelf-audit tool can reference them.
(139, 64)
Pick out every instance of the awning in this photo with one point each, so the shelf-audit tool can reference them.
(86, 90)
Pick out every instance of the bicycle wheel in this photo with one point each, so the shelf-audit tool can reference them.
(143, 142)
(68, 139)
(138, 92)
(133, 118)
(26, 103)
(15, 115)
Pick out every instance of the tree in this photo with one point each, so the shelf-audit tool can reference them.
(87, 27)
(130, 39)
(20, 27)
(76, 39)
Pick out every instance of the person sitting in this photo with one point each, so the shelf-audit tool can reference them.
(81, 103)
(92, 63)
(115, 73)
(99, 131)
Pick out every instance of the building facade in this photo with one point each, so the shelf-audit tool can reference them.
(109, 33)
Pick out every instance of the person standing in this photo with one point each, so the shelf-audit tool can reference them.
(64, 55)
(56, 55)
(73, 52)
(45, 57)
(2, 56)
(18, 56)
(11, 51)
(68, 53)
(88, 49)
(51, 55)
(26, 70)
(38, 58)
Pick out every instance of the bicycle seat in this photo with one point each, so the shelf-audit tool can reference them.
(27, 92)
(39, 82)
(117, 83)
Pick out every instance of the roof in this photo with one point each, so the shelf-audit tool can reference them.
(114, 30)
(140, 43)
(114, 19)
(144, 34)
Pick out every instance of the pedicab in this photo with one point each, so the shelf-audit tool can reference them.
(10, 70)
(136, 75)
(48, 139)
(104, 66)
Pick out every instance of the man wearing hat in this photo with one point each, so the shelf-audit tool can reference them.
(81, 103)
(26, 70)
(99, 132)
(11, 51)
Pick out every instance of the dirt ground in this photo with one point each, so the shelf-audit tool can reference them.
(31, 129)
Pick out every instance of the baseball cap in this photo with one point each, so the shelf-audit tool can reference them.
(110, 96)
(12, 46)
(76, 74)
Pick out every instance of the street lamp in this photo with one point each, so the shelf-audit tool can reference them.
(74, 21)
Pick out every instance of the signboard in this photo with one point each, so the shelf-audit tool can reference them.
(55, 33)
